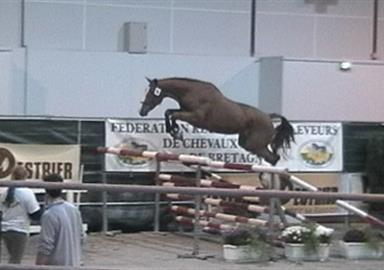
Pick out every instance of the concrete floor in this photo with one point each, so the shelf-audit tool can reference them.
(148, 250)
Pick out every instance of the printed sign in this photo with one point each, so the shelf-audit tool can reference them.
(317, 147)
(40, 160)
(150, 135)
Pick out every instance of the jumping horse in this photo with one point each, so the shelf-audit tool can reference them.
(203, 105)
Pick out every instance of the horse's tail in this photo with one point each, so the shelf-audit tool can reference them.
(284, 134)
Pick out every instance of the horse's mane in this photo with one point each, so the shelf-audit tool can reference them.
(185, 79)
(192, 81)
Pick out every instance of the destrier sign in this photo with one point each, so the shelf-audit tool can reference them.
(40, 160)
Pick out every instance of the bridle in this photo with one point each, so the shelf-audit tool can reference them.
(156, 92)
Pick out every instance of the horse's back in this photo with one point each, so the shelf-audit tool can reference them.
(194, 85)
(216, 112)
(200, 93)
(255, 114)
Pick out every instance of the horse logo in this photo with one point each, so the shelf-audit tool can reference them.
(133, 143)
(316, 153)
(7, 162)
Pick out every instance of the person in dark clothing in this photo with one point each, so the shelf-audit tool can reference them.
(62, 232)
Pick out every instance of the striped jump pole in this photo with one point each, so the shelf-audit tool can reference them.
(246, 206)
(204, 223)
(251, 207)
(343, 204)
(183, 181)
(204, 182)
(185, 185)
(221, 216)
(191, 159)
(221, 202)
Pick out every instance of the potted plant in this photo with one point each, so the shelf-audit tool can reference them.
(362, 244)
(245, 245)
(308, 242)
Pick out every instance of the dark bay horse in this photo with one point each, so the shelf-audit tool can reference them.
(204, 106)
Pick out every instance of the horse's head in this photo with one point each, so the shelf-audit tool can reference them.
(153, 98)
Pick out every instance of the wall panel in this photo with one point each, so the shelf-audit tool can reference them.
(315, 90)
(343, 38)
(83, 84)
(54, 25)
(10, 23)
(214, 33)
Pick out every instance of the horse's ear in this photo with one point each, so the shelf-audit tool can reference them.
(148, 79)
(155, 81)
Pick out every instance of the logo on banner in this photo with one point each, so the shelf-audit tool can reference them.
(316, 153)
(134, 144)
(7, 162)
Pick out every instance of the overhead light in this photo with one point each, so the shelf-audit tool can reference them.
(345, 66)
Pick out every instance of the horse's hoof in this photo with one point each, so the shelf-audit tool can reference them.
(176, 135)
(274, 160)
(175, 129)
(179, 136)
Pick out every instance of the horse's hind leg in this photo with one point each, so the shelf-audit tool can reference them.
(255, 145)
(268, 156)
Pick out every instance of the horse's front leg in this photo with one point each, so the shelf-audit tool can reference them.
(171, 126)
(196, 119)
(168, 116)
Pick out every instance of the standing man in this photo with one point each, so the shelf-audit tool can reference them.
(61, 233)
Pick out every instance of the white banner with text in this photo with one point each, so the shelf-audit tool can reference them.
(317, 146)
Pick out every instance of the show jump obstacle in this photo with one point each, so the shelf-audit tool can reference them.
(204, 161)
(186, 192)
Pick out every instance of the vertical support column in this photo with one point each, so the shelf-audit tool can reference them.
(105, 202)
(348, 188)
(253, 28)
(278, 206)
(275, 207)
(271, 213)
(1, 234)
(156, 221)
(104, 199)
(271, 218)
(77, 194)
(196, 225)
